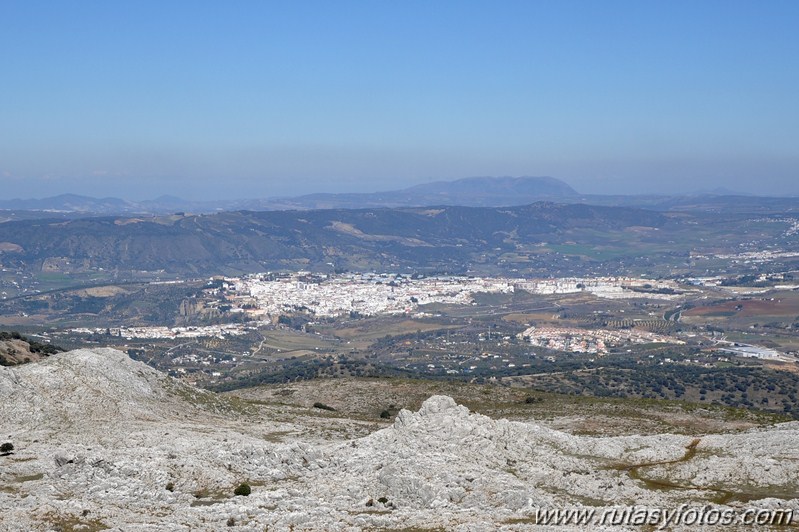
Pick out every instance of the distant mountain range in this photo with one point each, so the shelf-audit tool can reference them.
(475, 192)
(74, 203)
(468, 192)
(446, 238)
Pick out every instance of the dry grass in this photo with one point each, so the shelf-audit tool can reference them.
(364, 399)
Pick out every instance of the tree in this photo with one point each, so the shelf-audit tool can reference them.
(6, 448)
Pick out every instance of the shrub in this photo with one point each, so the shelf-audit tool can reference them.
(242, 489)
(170, 486)
(323, 406)
(6, 448)
(385, 414)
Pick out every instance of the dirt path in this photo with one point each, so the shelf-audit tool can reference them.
(722, 495)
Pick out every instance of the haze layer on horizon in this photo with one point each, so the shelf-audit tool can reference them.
(210, 100)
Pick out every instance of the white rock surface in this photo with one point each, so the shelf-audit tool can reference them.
(98, 437)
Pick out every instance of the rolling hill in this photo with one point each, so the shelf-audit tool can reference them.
(446, 238)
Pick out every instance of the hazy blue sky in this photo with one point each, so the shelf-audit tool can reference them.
(237, 99)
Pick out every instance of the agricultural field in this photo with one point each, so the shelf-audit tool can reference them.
(671, 341)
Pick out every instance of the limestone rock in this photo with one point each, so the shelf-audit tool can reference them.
(103, 440)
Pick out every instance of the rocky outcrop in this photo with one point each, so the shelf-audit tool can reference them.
(103, 440)
(84, 389)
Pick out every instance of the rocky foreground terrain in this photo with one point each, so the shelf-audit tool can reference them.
(104, 442)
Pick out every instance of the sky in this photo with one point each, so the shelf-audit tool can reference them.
(241, 99)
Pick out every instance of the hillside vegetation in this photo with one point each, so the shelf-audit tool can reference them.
(17, 349)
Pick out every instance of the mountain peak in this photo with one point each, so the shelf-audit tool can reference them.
(529, 188)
